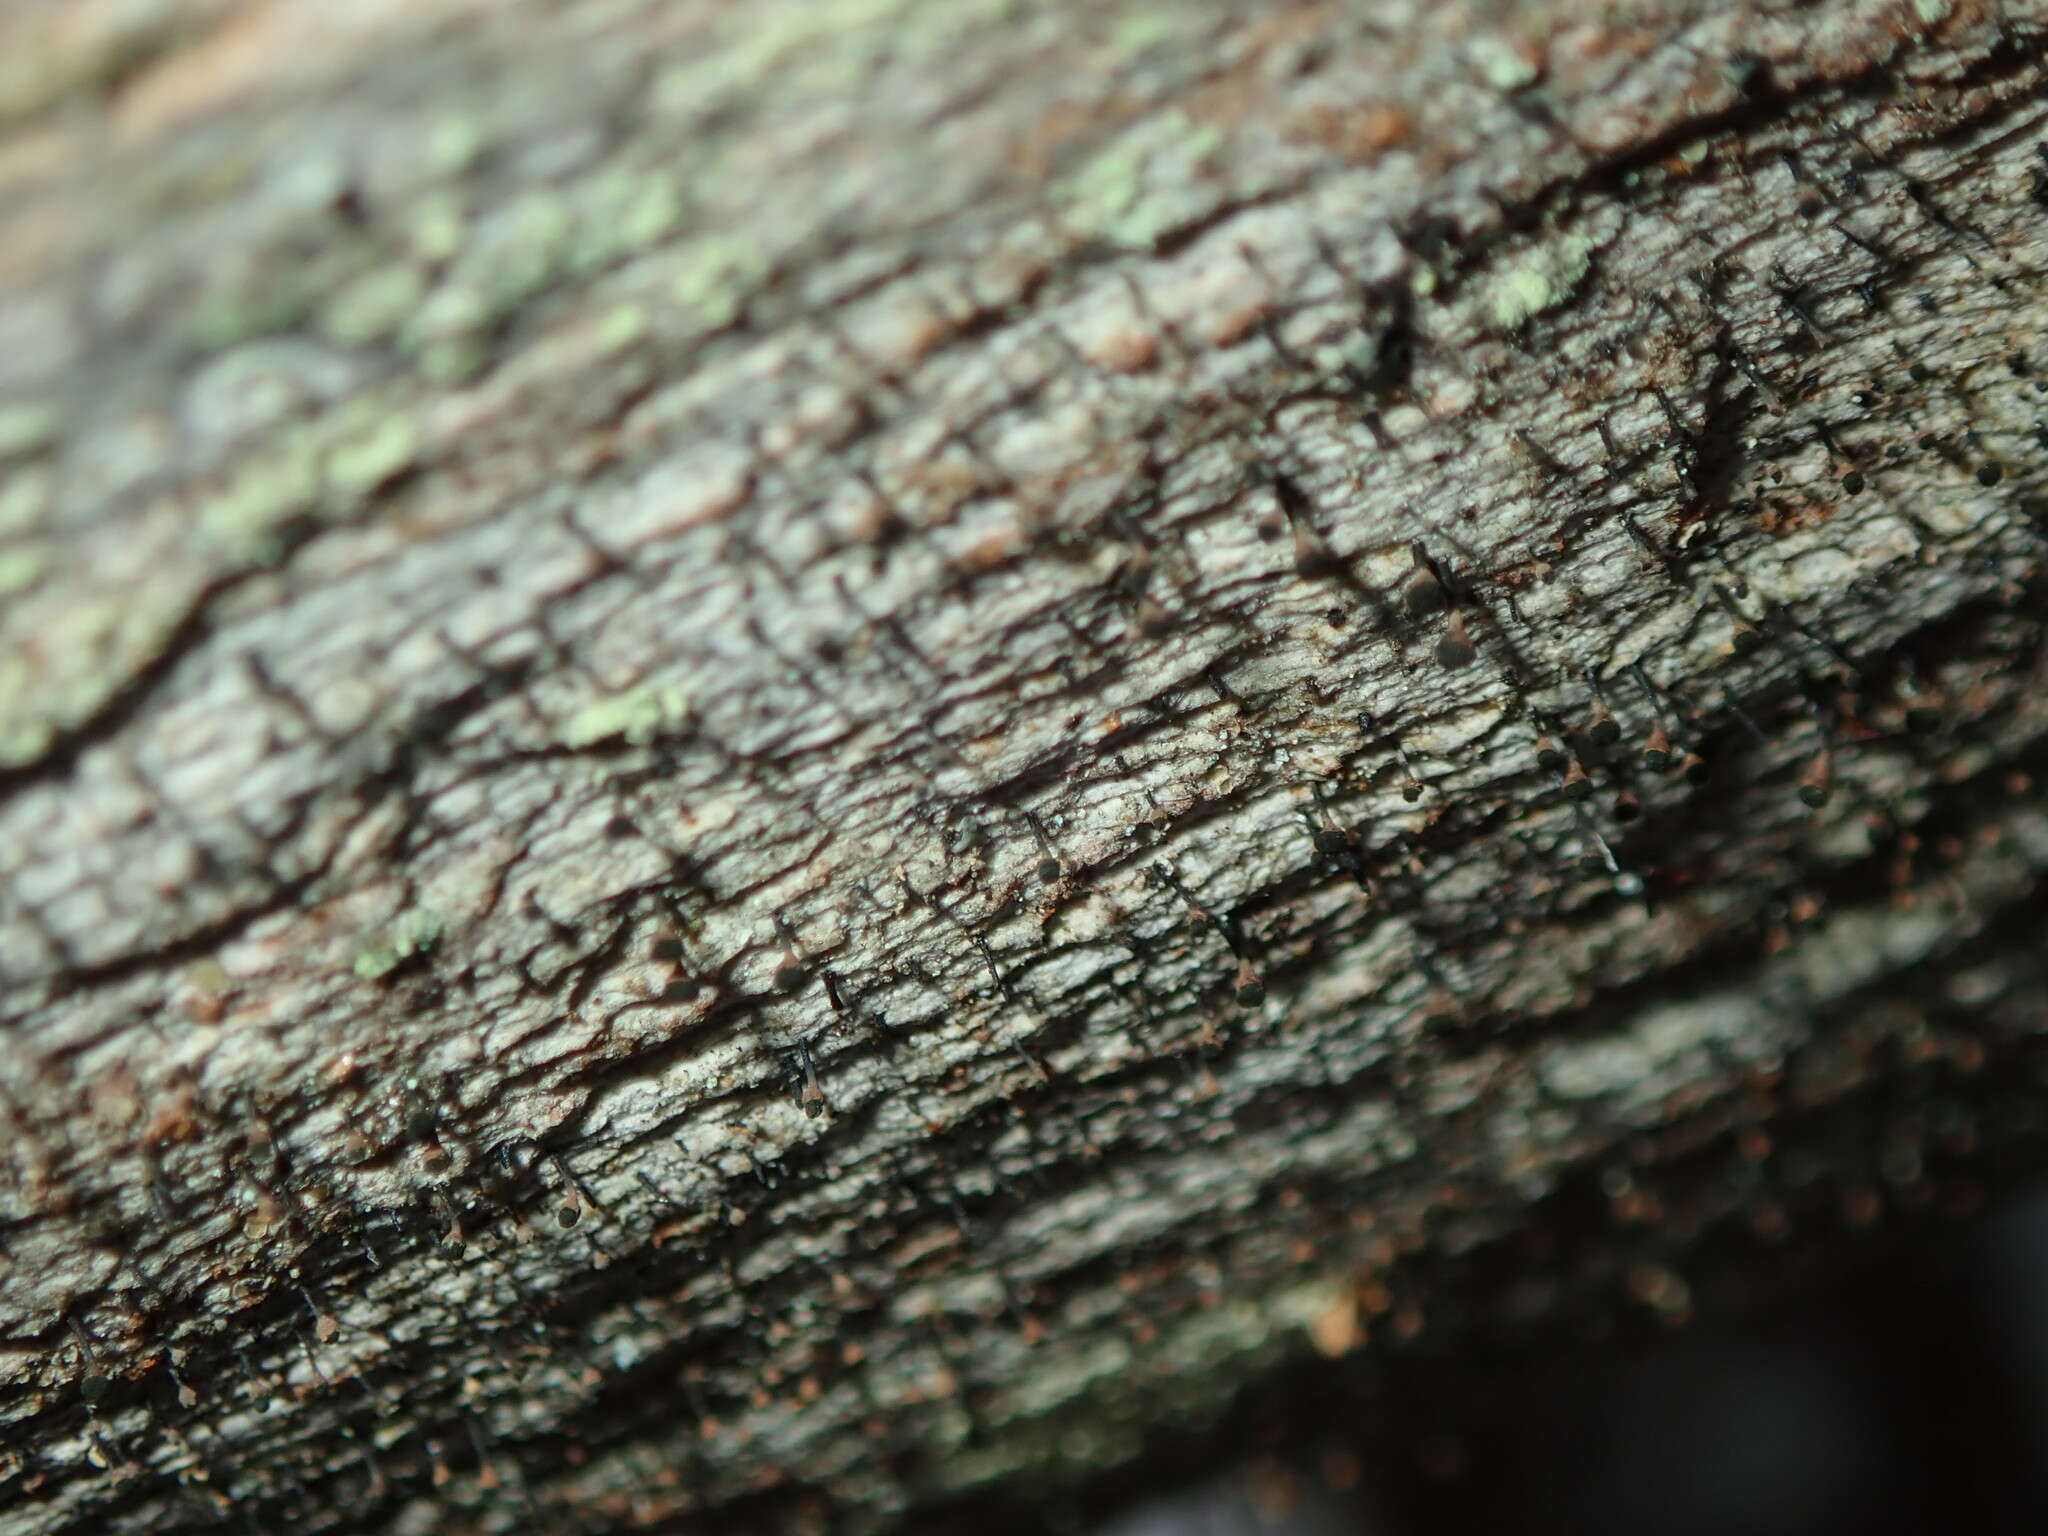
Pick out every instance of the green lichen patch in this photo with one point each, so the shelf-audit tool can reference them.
(20, 566)
(453, 144)
(1544, 277)
(23, 737)
(622, 326)
(267, 492)
(454, 360)
(25, 497)
(716, 274)
(453, 311)
(373, 306)
(325, 466)
(412, 933)
(824, 45)
(26, 429)
(520, 251)
(439, 226)
(1501, 64)
(1146, 29)
(89, 650)
(371, 459)
(225, 318)
(636, 717)
(1142, 185)
(625, 211)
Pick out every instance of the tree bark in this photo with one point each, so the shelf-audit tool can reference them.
(760, 764)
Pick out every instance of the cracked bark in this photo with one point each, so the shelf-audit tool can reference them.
(763, 764)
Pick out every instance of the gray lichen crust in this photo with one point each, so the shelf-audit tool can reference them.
(775, 760)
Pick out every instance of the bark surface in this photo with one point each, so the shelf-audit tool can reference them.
(762, 763)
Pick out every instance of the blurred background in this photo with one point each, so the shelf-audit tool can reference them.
(1909, 1394)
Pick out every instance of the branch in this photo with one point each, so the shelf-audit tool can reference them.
(766, 763)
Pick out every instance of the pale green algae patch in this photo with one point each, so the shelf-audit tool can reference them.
(1542, 279)
(25, 429)
(329, 464)
(90, 651)
(360, 464)
(373, 306)
(816, 47)
(413, 933)
(330, 467)
(20, 566)
(637, 716)
(430, 279)
(716, 274)
(266, 491)
(625, 211)
(25, 497)
(1141, 186)
(519, 250)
